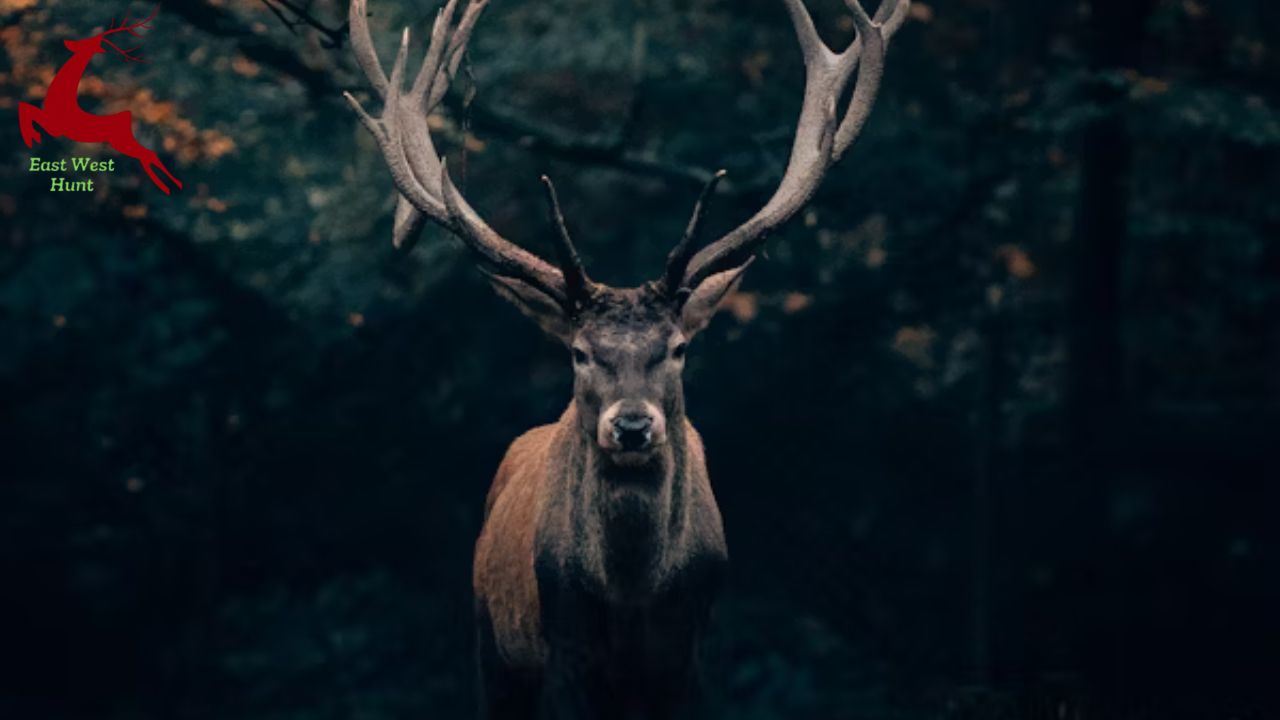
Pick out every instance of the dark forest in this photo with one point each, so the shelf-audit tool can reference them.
(993, 424)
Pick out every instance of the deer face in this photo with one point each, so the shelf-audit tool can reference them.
(627, 348)
(91, 45)
(627, 354)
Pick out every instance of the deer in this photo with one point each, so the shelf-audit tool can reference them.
(602, 546)
(60, 114)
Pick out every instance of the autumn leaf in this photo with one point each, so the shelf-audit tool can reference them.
(1016, 261)
(915, 343)
(242, 65)
(795, 302)
(180, 135)
(743, 306)
(16, 5)
(920, 12)
(754, 65)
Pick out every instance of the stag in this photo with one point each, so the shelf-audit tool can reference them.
(61, 115)
(602, 546)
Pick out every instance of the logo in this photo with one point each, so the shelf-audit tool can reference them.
(60, 115)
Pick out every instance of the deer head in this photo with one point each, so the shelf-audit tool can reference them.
(627, 345)
(93, 45)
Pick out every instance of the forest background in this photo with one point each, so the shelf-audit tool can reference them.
(993, 425)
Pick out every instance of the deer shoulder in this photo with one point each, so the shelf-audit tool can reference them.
(503, 574)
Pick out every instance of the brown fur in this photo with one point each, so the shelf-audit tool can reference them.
(601, 553)
(503, 576)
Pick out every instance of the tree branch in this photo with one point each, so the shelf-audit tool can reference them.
(335, 38)
(220, 22)
(599, 152)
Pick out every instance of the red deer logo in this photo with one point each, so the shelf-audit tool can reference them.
(61, 115)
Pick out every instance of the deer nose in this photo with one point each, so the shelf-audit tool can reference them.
(633, 431)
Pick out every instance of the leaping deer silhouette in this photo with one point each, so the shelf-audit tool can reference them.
(61, 115)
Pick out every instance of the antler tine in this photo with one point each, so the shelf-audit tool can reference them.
(435, 50)
(892, 14)
(127, 54)
(457, 49)
(811, 44)
(400, 125)
(154, 11)
(873, 39)
(408, 219)
(362, 46)
(420, 174)
(680, 255)
(131, 28)
(822, 134)
(445, 51)
(508, 260)
(576, 282)
(429, 89)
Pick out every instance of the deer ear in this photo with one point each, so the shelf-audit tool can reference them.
(535, 305)
(705, 299)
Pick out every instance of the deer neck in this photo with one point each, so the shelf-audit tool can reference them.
(65, 87)
(629, 523)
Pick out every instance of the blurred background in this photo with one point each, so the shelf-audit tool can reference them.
(993, 425)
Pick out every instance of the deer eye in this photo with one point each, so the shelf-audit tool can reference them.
(677, 352)
(580, 357)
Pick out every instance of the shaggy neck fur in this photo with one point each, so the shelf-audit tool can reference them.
(629, 524)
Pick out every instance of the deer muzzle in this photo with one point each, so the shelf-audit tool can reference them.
(631, 430)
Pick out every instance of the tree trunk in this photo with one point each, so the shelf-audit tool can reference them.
(1096, 355)
(1095, 401)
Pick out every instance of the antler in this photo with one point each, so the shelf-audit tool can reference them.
(576, 282)
(682, 253)
(422, 176)
(132, 29)
(821, 137)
